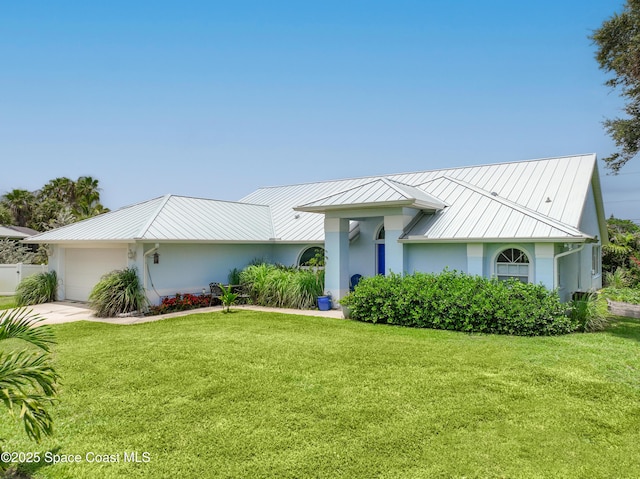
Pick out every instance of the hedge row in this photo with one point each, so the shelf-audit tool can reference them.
(456, 301)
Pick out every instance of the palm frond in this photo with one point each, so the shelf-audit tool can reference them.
(22, 323)
(33, 413)
(23, 371)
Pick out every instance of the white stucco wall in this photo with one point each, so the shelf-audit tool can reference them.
(288, 254)
(589, 279)
(189, 268)
(435, 257)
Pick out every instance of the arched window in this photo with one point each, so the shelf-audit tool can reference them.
(512, 263)
(380, 235)
(312, 256)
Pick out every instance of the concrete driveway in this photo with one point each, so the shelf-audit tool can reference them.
(67, 311)
(62, 312)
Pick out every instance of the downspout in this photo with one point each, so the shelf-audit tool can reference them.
(144, 265)
(560, 255)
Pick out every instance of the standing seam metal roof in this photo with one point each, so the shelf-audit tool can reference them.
(533, 199)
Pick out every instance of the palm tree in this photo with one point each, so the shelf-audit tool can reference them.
(45, 212)
(61, 189)
(27, 378)
(6, 218)
(21, 204)
(87, 199)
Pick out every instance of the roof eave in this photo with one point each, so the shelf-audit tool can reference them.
(422, 239)
(411, 203)
(76, 241)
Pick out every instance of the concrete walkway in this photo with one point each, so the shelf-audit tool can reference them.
(69, 311)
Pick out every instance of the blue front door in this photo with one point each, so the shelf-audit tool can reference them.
(380, 248)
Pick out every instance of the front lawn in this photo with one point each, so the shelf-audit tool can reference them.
(260, 395)
(7, 302)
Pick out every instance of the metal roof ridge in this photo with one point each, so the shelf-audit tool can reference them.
(389, 182)
(522, 209)
(341, 192)
(216, 200)
(153, 217)
(272, 223)
(390, 175)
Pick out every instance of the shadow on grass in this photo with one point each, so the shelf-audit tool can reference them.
(24, 470)
(628, 328)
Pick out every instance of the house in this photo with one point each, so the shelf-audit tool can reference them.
(540, 221)
(16, 232)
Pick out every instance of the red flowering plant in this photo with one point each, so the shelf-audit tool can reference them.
(181, 302)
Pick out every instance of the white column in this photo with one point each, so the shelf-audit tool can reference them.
(394, 257)
(543, 265)
(336, 245)
(56, 263)
(475, 259)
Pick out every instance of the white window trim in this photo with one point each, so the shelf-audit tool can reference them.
(596, 250)
(494, 258)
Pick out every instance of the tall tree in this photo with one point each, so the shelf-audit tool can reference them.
(21, 204)
(87, 200)
(618, 52)
(6, 218)
(59, 202)
(60, 189)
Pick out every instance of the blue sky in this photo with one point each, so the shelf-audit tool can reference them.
(214, 99)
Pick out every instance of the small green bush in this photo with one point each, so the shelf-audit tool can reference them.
(36, 289)
(282, 287)
(619, 279)
(234, 276)
(118, 292)
(589, 311)
(624, 295)
(459, 302)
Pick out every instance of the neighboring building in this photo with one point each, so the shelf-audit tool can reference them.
(16, 232)
(540, 221)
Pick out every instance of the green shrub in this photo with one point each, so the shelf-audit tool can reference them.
(459, 302)
(234, 276)
(589, 312)
(620, 278)
(624, 295)
(118, 292)
(36, 289)
(282, 287)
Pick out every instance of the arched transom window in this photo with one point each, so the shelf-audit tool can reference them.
(312, 256)
(513, 263)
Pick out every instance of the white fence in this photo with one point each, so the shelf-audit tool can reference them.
(12, 274)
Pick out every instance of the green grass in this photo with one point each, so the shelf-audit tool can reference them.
(261, 395)
(7, 302)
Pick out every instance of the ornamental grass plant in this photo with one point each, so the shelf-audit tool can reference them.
(36, 289)
(281, 286)
(118, 292)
